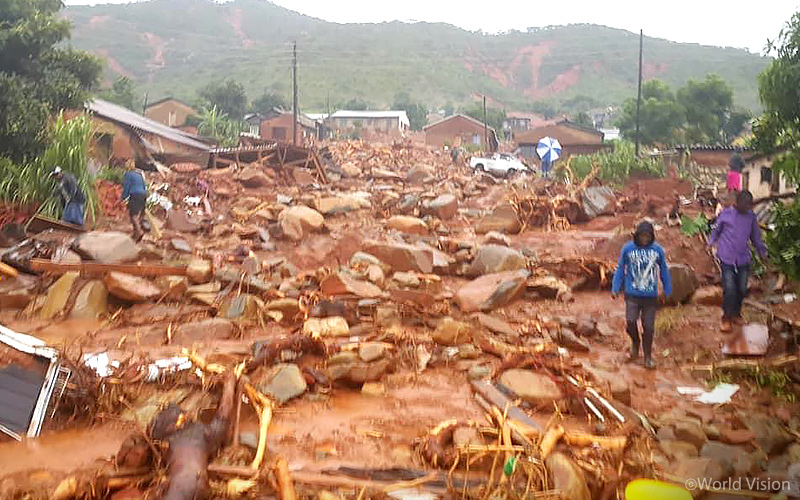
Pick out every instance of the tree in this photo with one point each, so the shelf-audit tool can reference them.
(123, 92)
(38, 74)
(268, 101)
(449, 109)
(661, 116)
(735, 123)
(417, 113)
(584, 119)
(494, 117)
(355, 104)
(707, 103)
(229, 97)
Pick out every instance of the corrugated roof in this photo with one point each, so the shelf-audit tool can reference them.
(136, 121)
(372, 114)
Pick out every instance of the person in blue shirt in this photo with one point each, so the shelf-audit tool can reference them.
(641, 261)
(134, 191)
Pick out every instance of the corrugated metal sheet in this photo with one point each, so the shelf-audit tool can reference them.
(138, 122)
(19, 393)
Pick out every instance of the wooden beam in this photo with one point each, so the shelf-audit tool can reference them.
(500, 400)
(97, 268)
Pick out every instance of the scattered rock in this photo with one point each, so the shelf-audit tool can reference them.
(444, 206)
(334, 326)
(495, 259)
(297, 222)
(289, 308)
(452, 332)
(496, 238)
(283, 382)
(92, 301)
(678, 449)
(370, 351)
(402, 257)
(58, 294)
(729, 457)
(503, 219)
(199, 271)
(469, 351)
(379, 173)
(178, 220)
(699, 468)
(690, 431)
(492, 291)
(340, 204)
(407, 224)
(244, 306)
(684, 283)
(735, 436)
(130, 288)
(567, 477)
(361, 259)
(479, 372)
(343, 284)
(708, 296)
(174, 287)
(373, 389)
(375, 275)
(769, 434)
(359, 372)
(620, 388)
(567, 338)
(406, 279)
(496, 325)
(598, 200)
(550, 287)
(535, 388)
(109, 247)
(204, 331)
(605, 330)
(181, 245)
(252, 177)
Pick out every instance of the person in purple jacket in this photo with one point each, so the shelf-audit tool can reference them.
(736, 226)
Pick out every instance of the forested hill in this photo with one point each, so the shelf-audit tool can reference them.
(173, 47)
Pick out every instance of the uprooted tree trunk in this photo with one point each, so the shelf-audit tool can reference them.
(191, 445)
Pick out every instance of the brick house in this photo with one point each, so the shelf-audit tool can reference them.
(575, 139)
(278, 127)
(170, 112)
(468, 129)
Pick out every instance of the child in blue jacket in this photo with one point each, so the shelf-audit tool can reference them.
(640, 263)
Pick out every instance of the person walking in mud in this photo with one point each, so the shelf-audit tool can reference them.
(735, 227)
(71, 195)
(134, 191)
(641, 261)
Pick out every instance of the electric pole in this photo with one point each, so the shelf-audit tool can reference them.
(485, 127)
(639, 92)
(294, 98)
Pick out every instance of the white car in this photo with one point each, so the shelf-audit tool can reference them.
(499, 164)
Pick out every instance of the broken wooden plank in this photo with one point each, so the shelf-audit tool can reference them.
(745, 364)
(500, 400)
(98, 268)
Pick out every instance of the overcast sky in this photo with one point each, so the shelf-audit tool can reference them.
(710, 22)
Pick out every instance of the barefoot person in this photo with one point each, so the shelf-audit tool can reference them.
(640, 263)
(135, 191)
(734, 228)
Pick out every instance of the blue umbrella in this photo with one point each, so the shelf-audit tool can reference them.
(549, 150)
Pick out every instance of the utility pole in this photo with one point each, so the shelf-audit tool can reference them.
(639, 92)
(144, 103)
(485, 127)
(294, 98)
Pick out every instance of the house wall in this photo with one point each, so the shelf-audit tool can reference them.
(565, 134)
(279, 128)
(458, 126)
(529, 150)
(762, 180)
(170, 113)
(344, 124)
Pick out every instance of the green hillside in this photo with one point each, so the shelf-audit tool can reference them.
(173, 47)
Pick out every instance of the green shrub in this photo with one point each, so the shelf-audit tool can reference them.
(616, 165)
(112, 174)
(783, 242)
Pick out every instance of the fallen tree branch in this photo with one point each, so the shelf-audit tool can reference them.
(97, 268)
(285, 483)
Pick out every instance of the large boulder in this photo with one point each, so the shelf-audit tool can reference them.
(283, 382)
(110, 247)
(252, 177)
(684, 283)
(130, 288)
(503, 219)
(92, 301)
(58, 295)
(343, 284)
(407, 224)
(359, 372)
(207, 331)
(492, 291)
(729, 456)
(451, 332)
(708, 296)
(598, 200)
(364, 260)
(568, 478)
(535, 388)
(444, 206)
(297, 222)
(495, 259)
(402, 257)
